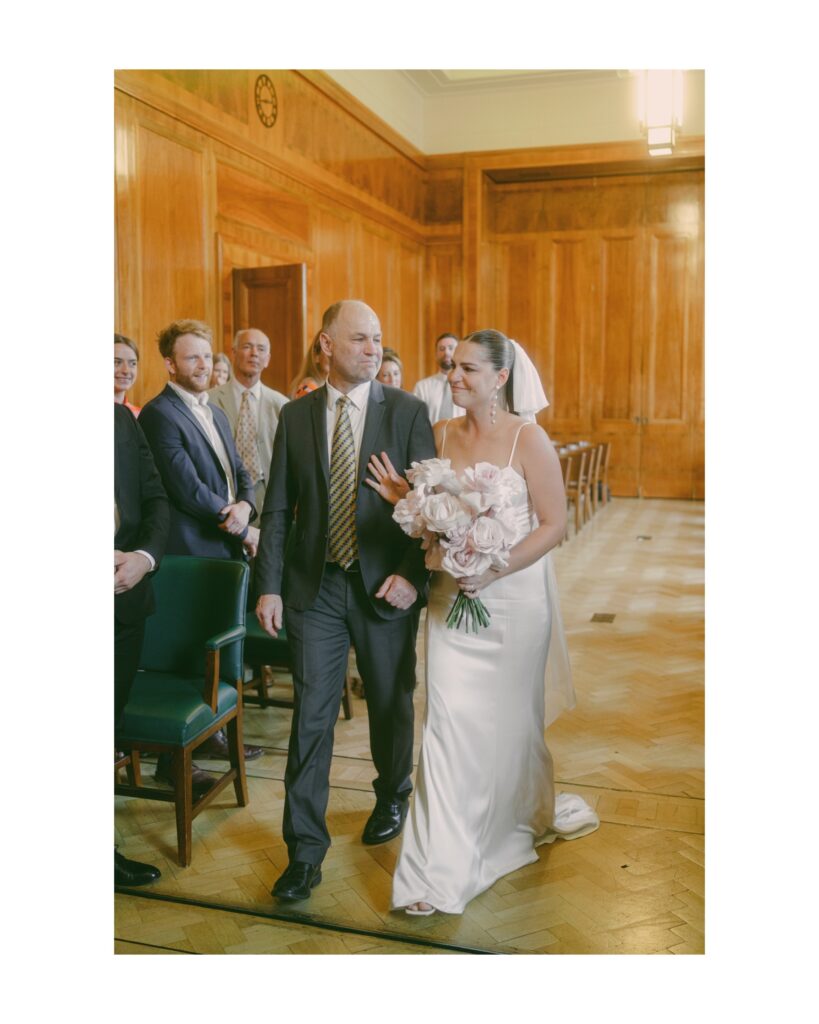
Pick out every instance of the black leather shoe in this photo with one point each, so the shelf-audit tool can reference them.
(131, 872)
(217, 746)
(202, 781)
(385, 822)
(297, 881)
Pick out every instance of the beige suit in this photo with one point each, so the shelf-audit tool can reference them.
(270, 406)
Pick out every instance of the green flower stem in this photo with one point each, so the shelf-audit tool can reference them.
(469, 610)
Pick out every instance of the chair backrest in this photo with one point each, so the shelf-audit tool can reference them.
(566, 460)
(578, 466)
(196, 598)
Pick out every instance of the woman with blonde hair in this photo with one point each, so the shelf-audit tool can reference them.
(312, 372)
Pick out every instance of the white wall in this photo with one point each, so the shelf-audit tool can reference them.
(552, 114)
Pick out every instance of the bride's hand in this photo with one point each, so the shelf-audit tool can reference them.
(473, 585)
(388, 481)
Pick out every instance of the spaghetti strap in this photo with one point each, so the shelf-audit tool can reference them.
(443, 439)
(515, 444)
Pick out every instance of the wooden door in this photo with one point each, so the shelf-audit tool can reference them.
(274, 299)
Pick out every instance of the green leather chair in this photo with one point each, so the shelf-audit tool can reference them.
(190, 682)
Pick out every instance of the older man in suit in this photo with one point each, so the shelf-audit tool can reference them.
(338, 570)
(252, 408)
(141, 515)
(211, 493)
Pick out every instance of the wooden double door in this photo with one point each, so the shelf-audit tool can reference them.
(612, 314)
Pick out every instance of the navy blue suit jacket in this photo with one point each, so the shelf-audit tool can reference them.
(194, 478)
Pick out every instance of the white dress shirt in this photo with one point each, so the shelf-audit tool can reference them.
(357, 409)
(436, 394)
(198, 404)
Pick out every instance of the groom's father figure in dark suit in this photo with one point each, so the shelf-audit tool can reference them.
(336, 569)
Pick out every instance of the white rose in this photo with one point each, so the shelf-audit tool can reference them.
(444, 512)
(465, 561)
(408, 513)
(487, 536)
(433, 473)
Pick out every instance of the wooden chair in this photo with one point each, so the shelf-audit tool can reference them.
(189, 684)
(261, 650)
(594, 476)
(577, 485)
(603, 472)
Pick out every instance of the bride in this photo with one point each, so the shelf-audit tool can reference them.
(485, 793)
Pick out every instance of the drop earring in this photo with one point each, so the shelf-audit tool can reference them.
(493, 406)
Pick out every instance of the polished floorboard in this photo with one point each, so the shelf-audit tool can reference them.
(631, 586)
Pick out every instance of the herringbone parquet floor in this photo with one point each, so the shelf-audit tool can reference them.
(633, 748)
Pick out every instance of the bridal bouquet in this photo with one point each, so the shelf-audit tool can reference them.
(467, 523)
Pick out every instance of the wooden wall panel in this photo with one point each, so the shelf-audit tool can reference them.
(407, 340)
(569, 339)
(251, 201)
(334, 238)
(443, 297)
(613, 314)
(171, 200)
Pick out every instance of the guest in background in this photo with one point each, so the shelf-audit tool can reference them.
(211, 493)
(221, 370)
(434, 391)
(126, 359)
(312, 372)
(252, 408)
(141, 516)
(392, 369)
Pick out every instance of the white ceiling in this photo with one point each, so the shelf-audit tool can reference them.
(466, 110)
(434, 83)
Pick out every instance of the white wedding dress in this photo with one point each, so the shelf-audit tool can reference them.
(484, 795)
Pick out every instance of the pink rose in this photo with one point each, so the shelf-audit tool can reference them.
(444, 512)
(408, 513)
(487, 536)
(465, 561)
(433, 473)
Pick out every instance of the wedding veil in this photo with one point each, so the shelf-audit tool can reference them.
(529, 398)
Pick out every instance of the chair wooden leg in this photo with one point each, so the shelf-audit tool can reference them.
(236, 753)
(577, 514)
(346, 700)
(183, 792)
(135, 769)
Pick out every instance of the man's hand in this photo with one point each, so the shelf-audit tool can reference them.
(398, 592)
(236, 517)
(251, 541)
(269, 611)
(129, 568)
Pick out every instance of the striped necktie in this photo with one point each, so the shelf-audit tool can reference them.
(343, 546)
(246, 438)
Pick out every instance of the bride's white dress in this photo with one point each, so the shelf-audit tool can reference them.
(484, 795)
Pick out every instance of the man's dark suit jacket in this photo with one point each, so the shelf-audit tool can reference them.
(295, 518)
(194, 478)
(143, 509)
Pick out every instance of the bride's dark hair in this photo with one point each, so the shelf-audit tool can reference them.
(501, 354)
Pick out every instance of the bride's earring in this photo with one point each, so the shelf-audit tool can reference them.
(493, 406)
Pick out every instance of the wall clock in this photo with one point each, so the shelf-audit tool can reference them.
(267, 106)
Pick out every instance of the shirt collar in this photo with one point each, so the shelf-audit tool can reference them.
(359, 395)
(190, 399)
(239, 389)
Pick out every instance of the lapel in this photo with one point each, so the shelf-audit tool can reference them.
(231, 409)
(227, 441)
(372, 425)
(180, 406)
(318, 413)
